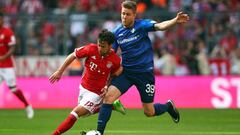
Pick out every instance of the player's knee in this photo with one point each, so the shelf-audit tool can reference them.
(12, 88)
(111, 96)
(109, 99)
(149, 113)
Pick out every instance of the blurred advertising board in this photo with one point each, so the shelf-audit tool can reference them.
(187, 92)
(36, 66)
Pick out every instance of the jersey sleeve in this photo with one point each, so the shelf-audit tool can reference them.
(148, 25)
(82, 52)
(11, 39)
(115, 46)
(116, 64)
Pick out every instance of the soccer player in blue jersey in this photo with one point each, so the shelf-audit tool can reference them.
(137, 61)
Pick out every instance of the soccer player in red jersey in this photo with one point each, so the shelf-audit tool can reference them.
(101, 63)
(7, 72)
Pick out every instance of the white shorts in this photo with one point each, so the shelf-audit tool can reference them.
(89, 100)
(8, 75)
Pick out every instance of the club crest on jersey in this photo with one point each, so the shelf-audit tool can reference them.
(109, 64)
(1, 36)
(93, 57)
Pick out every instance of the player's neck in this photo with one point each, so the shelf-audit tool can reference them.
(129, 26)
(106, 54)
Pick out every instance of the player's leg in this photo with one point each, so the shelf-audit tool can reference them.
(10, 78)
(77, 112)
(88, 102)
(18, 93)
(146, 86)
(145, 83)
(150, 108)
(157, 109)
(106, 108)
(173, 111)
(119, 85)
(118, 106)
(1, 77)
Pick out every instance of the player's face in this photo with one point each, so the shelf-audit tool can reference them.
(1, 21)
(128, 17)
(103, 48)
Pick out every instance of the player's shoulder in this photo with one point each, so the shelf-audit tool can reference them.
(144, 21)
(88, 47)
(93, 48)
(7, 30)
(114, 56)
(118, 28)
(92, 45)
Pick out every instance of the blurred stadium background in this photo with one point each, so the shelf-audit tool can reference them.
(196, 64)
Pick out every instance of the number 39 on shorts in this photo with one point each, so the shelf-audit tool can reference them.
(150, 88)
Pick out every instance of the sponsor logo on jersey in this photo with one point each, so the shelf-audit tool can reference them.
(128, 39)
(121, 34)
(93, 66)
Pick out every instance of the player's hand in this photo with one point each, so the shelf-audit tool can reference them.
(55, 76)
(104, 91)
(182, 18)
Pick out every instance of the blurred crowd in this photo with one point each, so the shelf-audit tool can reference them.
(208, 44)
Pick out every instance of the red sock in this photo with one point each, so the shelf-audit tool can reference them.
(65, 125)
(21, 97)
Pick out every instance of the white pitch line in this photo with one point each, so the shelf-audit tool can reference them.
(172, 132)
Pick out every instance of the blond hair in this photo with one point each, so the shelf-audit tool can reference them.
(130, 5)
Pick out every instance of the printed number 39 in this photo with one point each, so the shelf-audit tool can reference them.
(150, 88)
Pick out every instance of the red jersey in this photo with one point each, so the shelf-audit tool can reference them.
(97, 68)
(7, 39)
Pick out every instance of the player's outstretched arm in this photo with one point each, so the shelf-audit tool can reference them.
(58, 74)
(180, 18)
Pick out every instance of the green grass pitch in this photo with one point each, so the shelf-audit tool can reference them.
(193, 122)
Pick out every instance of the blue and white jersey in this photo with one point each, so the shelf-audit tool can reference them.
(136, 47)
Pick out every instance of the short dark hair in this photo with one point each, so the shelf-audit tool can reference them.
(107, 36)
(130, 5)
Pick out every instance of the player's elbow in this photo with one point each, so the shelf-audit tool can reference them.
(159, 27)
(118, 72)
